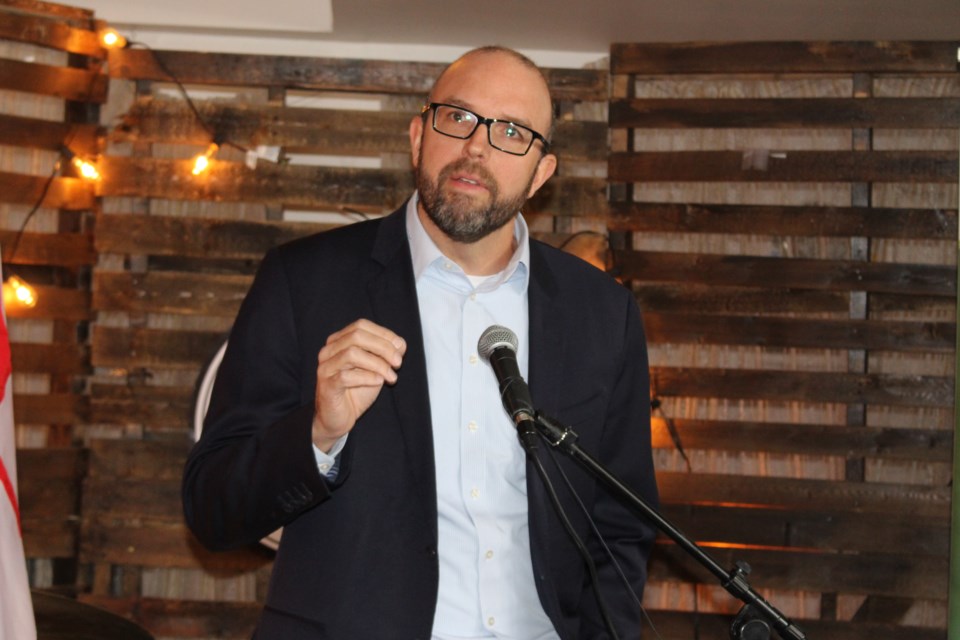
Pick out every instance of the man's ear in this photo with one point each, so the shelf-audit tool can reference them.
(416, 138)
(545, 168)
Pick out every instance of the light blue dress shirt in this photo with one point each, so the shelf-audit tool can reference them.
(487, 587)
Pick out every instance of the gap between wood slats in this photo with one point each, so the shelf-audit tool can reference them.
(786, 113)
(61, 82)
(931, 224)
(406, 78)
(928, 445)
(787, 273)
(804, 495)
(49, 32)
(783, 166)
(783, 57)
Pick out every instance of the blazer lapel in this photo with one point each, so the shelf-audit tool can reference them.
(393, 296)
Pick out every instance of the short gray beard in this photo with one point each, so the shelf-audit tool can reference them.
(460, 219)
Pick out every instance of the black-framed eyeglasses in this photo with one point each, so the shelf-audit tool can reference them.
(509, 137)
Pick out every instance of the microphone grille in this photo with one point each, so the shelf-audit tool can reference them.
(495, 337)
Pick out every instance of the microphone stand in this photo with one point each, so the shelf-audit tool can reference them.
(754, 620)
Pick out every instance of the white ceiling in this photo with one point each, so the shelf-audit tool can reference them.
(360, 28)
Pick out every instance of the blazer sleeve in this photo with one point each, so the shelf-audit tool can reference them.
(253, 469)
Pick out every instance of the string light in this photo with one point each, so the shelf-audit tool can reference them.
(202, 162)
(111, 39)
(17, 291)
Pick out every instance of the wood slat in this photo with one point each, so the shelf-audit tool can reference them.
(49, 408)
(61, 82)
(784, 57)
(832, 531)
(137, 459)
(688, 328)
(324, 188)
(928, 445)
(49, 249)
(706, 298)
(53, 33)
(299, 130)
(170, 292)
(806, 386)
(933, 224)
(787, 273)
(786, 113)
(157, 408)
(83, 139)
(55, 359)
(70, 15)
(125, 348)
(72, 194)
(341, 74)
(49, 494)
(777, 166)
(865, 574)
(55, 303)
(804, 495)
(194, 237)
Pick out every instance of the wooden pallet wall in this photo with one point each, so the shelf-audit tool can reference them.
(51, 87)
(787, 216)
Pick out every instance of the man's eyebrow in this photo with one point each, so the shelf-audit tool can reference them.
(465, 104)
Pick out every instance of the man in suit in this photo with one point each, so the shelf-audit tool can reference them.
(352, 409)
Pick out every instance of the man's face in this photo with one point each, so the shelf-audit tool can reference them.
(468, 188)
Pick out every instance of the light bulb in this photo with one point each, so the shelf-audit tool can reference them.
(112, 40)
(87, 170)
(202, 162)
(17, 291)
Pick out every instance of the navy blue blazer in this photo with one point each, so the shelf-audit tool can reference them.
(358, 559)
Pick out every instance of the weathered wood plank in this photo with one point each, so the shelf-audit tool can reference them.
(804, 495)
(55, 303)
(783, 57)
(786, 113)
(60, 82)
(170, 292)
(783, 166)
(787, 273)
(933, 224)
(800, 332)
(137, 459)
(833, 531)
(50, 249)
(682, 297)
(330, 131)
(324, 188)
(121, 347)
(157, 408)
(72, 194)
(195, 237)
(52, 33)
(49, 493)
(930, 445)
(808, 386)
(866, 574)
(341, 74)
(49, 408)
(70, 15)
(83, 139)
(56, 359)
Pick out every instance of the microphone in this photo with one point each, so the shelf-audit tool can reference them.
(499, 345)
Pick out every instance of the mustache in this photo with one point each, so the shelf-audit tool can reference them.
(466, 165)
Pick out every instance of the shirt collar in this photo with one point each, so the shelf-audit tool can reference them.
(425, 252)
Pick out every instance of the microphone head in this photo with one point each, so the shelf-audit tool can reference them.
(495, 337)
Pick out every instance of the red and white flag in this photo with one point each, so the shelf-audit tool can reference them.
(16, 607)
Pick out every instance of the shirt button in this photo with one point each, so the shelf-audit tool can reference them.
(489, 554)
(473, 359)
(325, 467)
(473, 296)
(490, 621)
(474, 493)
(447, 266)
(472, 426)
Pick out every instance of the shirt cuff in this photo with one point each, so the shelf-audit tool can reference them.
(327, 463)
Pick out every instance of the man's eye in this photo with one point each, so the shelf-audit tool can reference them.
(461, 117)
